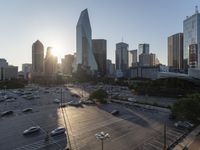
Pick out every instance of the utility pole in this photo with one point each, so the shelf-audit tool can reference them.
(165, 147)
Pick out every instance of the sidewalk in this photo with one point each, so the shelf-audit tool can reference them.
(187, 141)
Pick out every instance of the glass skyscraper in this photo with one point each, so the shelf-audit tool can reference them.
(121, 56)
(84, 54)
(191, 30)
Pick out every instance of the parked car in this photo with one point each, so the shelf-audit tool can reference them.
(27, 110)
(182, 125)
(115, 112)
(7, 113)
(10, 100)
(57, 131)
(31, 130)
(74, 103)
(75, 95)
(131, 99)
(57, 101)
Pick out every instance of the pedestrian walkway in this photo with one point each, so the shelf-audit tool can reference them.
(187, 141)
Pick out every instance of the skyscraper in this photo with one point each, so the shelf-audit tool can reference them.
(84, 54)
(143, 49)
(121, 56)
(147, 59)
(67, 64)
(50, 63)
(37, 58)
(132, 58)
(175, 51)
(99, 47)
(193, 55)
(191, 31)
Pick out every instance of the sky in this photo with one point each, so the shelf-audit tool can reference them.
(53, 22)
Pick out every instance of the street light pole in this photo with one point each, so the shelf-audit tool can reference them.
(102, 136)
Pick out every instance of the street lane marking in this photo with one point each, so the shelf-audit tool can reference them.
(39, 144)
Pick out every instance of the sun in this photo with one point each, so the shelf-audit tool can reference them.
(56, 52)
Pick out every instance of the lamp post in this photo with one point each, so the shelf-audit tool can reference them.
(102, 136)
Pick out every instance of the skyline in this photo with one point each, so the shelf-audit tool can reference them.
(54, 24)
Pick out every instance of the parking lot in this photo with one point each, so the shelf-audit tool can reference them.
(134, 128)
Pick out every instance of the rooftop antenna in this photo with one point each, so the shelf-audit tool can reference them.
(122, 39)
(196, 9)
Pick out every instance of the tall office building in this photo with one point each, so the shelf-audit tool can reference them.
(67, 64)
(110, 68)
(132, 58)
(50, 63)
(84, 54)
(121, 56)
(191, 31)
(26, 69)
(143, 49)
(7, 72)
(37, 58)
(175, 51)
(193, 56)
(99, 47)
(146, 60)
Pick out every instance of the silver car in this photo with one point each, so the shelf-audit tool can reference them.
(31, 130)
(59, 130)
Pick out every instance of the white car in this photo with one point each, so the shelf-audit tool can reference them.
(57, 101)
(31, 130)
(57, 131)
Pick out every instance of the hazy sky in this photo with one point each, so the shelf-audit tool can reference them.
(53, 22)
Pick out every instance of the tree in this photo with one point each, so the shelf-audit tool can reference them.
(100, 95)
(188, 107)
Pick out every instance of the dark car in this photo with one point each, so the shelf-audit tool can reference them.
(6, 113)
(115, 112)
(75, 95)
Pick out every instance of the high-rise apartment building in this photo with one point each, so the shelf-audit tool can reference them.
(132, 58)
(99, 47)
(175, 51)
(191, 31)
(121, 56)
(143, 49)
(37, 58)
(84, 54)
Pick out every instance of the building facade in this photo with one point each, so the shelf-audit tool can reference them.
(50, 63)
(175, 51)
(191, 31)
(99, 47)
(110, 68)
(121, 56)
(193, 56)
(84, 54)
(26, 70)
(143, 49)
(7, 72)
(37, 58)
(67, 64)
(132, 58)
(147, 60)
